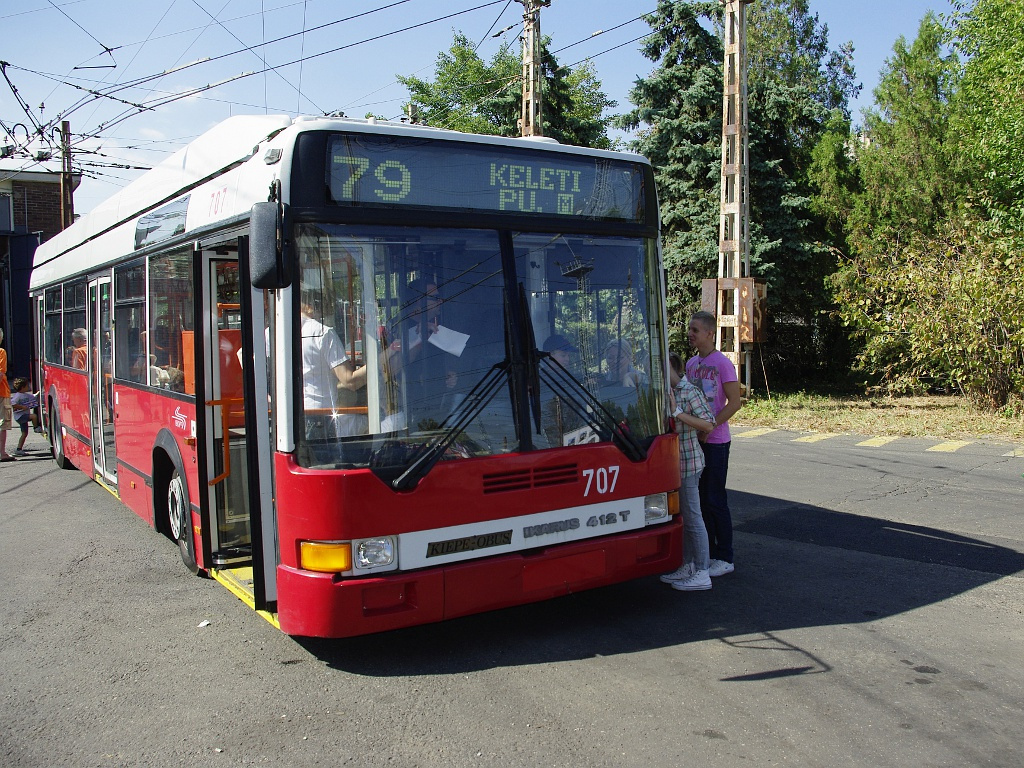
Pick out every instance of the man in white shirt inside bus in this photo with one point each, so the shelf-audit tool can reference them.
(325, 367)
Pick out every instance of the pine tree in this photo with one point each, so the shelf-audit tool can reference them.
(679, 106)
(794, 83)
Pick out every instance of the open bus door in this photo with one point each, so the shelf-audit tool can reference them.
(101, 383)
(232, 399)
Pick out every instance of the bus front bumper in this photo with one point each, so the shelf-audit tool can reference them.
(324, 605)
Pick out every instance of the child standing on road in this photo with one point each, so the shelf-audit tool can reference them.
(24, 405)
(692, 414)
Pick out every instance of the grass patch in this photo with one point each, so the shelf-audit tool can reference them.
(939, 416)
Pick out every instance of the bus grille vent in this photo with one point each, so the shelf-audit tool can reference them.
(524, 480)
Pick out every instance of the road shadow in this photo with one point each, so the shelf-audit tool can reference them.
(799, 566)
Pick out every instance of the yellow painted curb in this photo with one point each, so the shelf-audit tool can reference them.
(816, 438)
(875, 442)
(950, 446)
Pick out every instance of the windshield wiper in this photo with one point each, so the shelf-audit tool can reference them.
(591, 410)
(427, 455)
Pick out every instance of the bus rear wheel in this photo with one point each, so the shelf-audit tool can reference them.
(179, 520)
(57, 441)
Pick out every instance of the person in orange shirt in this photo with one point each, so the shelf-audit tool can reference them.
(79, 353)
(6, 412)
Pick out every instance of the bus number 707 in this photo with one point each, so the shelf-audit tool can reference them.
(606, 478)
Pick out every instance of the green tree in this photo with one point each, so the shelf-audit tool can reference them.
(833, 174)
(795, 81)
(988, 110)
(906, 181)
(469, 94)
(935, 279)
(906, 194)
(678, 111)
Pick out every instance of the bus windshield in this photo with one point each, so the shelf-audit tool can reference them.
(463, 343)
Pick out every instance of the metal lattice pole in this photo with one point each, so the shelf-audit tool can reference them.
(734, 220)
(531, 123)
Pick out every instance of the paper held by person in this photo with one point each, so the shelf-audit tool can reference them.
(448, 340)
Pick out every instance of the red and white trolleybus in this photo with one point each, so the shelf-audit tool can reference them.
(371, 375)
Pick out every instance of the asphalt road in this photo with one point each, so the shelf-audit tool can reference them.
(876, 617)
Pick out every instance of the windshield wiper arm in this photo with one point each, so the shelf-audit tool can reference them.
(427, 455)
(591, 410)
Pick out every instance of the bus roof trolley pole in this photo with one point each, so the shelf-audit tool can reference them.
(267, 262)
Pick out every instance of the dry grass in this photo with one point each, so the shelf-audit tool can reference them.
(943, 417)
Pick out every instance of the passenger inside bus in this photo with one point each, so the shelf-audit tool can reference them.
(432, 369)
(619, 370)
(326, 367)
(78, 353)
(560, 422)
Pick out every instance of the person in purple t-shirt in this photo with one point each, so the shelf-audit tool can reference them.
(715, 375)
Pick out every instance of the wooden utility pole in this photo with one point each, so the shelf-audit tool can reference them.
(67, 197)
(531, 123)
(737, 299)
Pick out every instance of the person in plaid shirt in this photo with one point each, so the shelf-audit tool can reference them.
(693, 416)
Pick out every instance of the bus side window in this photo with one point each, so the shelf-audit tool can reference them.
(170, 320)
(129, 321)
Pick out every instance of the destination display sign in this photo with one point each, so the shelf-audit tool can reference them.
(401, 171)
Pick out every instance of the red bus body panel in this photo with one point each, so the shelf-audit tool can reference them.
(330, 506)
(139, 416)
(71, 388)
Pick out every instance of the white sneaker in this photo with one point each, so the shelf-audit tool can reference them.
(684, 571)
(720, 568)
(699, 580)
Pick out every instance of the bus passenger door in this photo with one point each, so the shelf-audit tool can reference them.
(232, 345)
(101, 382)
(226, 456)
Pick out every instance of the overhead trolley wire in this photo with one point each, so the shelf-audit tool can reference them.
(106, 48)
(500, 14)
(148, 78)
(125, 115)
(262, 58)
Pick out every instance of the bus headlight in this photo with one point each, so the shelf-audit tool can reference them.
(656, 507)
(375, 554)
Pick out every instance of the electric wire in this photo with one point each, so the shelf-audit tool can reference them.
(125, 115)
(139, 81)
(93, 94)
(106, 49)
(500, 14)
(262, 58)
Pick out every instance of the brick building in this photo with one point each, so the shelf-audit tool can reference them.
(29, 215)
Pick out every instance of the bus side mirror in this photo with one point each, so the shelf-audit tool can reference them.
(268, 268)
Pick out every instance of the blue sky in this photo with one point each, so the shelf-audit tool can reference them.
(51, 44)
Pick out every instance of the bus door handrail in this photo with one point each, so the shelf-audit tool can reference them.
(224, 412)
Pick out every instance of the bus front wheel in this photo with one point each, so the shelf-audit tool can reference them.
(57, 438)
(179, 520)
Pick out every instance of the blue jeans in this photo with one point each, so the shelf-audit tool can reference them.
(695, 535)
(714, 503)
